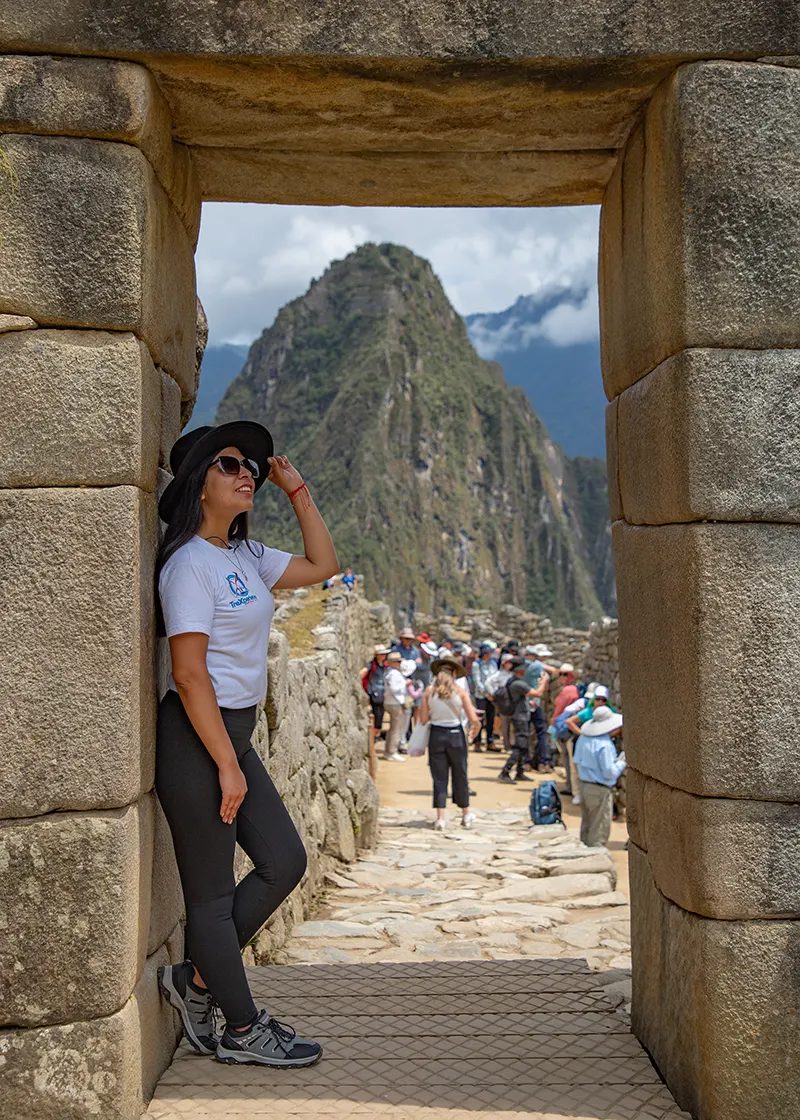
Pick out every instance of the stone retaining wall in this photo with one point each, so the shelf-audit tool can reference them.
(601, 657)
(594, 653)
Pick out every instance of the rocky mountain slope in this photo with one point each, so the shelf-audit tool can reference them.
(438, 480)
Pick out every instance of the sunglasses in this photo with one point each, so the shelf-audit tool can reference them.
(229, 464)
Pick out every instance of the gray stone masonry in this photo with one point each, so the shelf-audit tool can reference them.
(312, 735)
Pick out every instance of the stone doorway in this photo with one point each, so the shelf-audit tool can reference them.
(113, 131)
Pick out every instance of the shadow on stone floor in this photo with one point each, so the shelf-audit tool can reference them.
(538, 1039)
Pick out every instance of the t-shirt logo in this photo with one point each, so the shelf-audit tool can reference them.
(237, 586)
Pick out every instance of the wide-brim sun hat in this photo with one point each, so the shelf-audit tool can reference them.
(541, 650)
(408, 667)
(382, 649)
(393, 655)
(603, 722)
(430, 648)
(406, 632)
(448, 663)
(567, 667)
(252, 439)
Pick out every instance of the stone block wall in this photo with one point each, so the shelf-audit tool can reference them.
(99, 213)
(312, 735)
(700, 344)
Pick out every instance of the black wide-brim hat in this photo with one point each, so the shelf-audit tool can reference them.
(252, 439)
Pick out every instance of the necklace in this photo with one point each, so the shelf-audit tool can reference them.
(232, 552)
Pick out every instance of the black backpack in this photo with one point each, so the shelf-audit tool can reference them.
(503, 702)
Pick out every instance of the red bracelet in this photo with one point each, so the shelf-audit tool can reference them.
(297, 491)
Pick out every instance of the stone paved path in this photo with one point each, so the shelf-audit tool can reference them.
(517, 1025)
(498, 891)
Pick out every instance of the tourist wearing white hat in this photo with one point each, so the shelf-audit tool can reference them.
(599, 768)
(395, 693)
(574, 716)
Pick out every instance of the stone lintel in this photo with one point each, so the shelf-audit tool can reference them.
(712, 435)
(708, 639)
(544, 178)
(106, 99)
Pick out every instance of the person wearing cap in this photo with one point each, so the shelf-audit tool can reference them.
(521, 695)
(447, 707)
(396, 705)
(215, 606)
(372, 678)
(538, 674)
(405, 644)
(482, 668)
(599, 768)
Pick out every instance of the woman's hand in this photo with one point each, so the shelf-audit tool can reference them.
(283, 474)
(233, 784)
(474, 726)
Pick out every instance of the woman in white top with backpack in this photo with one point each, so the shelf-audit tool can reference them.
(447, 707)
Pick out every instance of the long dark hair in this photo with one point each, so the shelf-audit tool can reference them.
(186, 519)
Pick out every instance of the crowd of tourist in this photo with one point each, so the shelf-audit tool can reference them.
(496, 699)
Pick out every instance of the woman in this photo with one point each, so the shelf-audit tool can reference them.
(395, 694)
(445, 706)
(372, 678)
(215, 597)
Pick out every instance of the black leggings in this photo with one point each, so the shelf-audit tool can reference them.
(377, 714)
(222, 917)
(447, 750)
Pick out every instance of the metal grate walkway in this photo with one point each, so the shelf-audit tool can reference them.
(495, 1040)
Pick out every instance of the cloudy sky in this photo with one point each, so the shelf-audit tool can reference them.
(252, 259)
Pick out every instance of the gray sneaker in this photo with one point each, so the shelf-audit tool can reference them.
(197, 1011)
(267, 1043)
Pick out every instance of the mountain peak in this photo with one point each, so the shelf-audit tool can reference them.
(438, 481)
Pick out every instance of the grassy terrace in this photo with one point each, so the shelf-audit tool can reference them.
(298, 627)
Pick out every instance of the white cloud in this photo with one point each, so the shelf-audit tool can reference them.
(572, 322)
(252, 259)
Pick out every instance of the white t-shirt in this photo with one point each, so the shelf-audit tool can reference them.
(225, 593)
(443, 713)
(394, 684)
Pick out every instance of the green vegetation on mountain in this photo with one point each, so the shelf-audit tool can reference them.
(437, 479)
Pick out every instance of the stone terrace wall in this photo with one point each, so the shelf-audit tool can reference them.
(312, 735)
(601, 657)
(594, 653)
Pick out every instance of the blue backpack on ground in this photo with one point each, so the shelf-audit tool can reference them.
(545, 806)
